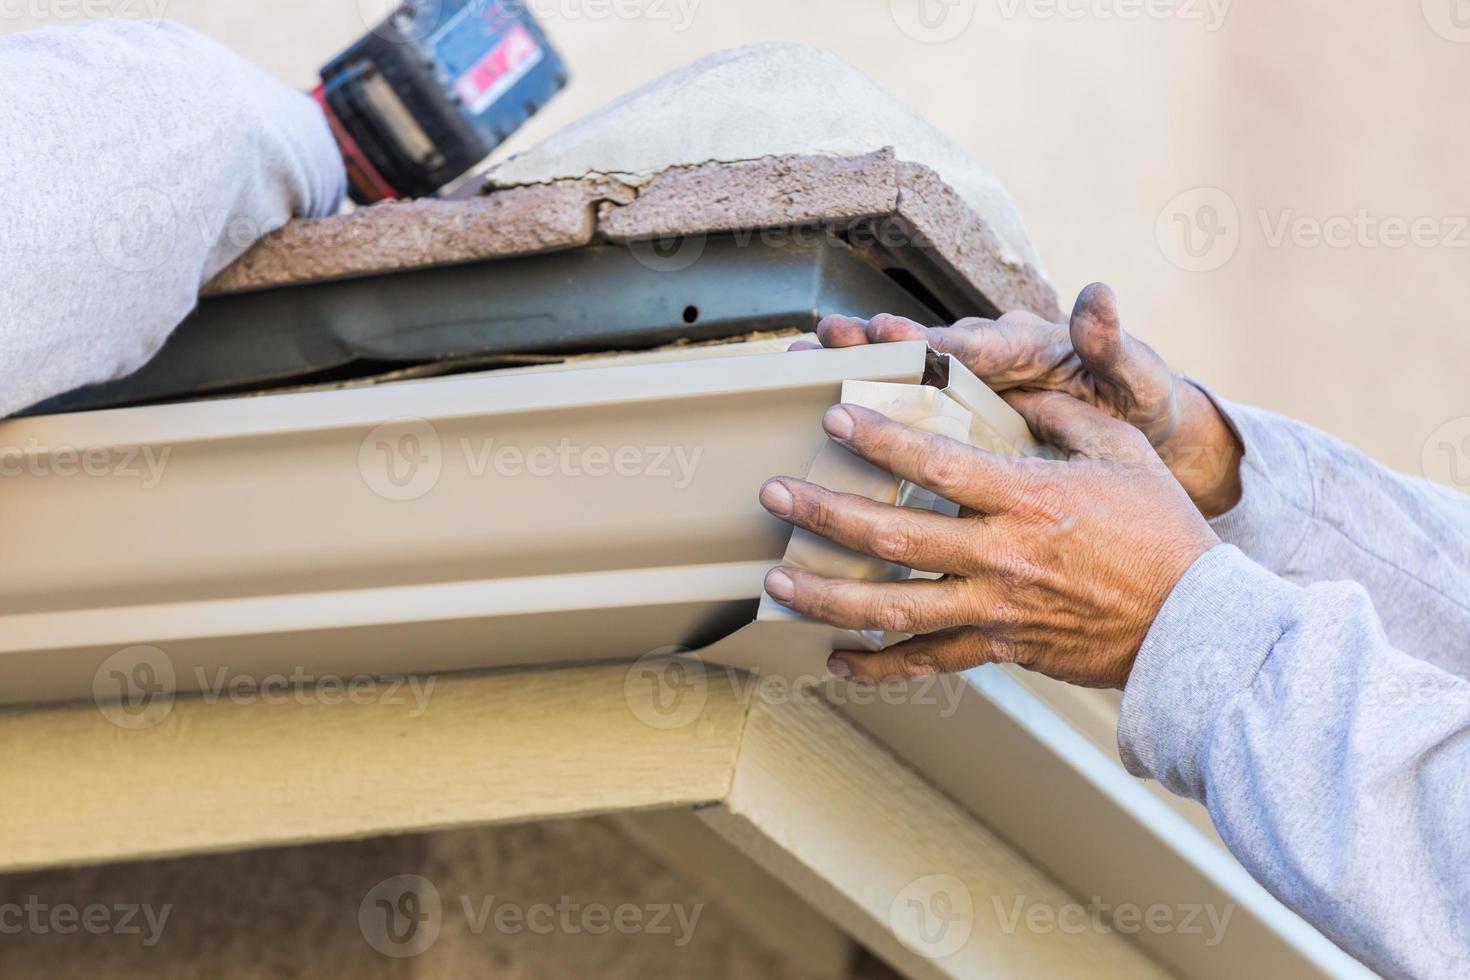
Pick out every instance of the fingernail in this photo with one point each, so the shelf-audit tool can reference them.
(779, 585)
(776, 498)
(838, 667)
(837, 422)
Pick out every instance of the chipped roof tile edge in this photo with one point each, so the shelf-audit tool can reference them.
(778, 191)
(399, 236)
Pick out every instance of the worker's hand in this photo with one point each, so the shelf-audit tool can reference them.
(1092, 359)
(1059, 566)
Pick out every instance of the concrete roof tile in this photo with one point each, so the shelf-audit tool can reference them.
(934, 208)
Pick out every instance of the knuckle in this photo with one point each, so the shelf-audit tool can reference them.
(898, 540)
(1002, 651)
(1051, 412)
(896, 612)
(1015, 572)
(819, 513)
(942, 468)
(1047, 502)
(1006, 613)
(819, 602)
(918, 663)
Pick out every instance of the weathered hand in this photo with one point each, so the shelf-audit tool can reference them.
(1057, 565)
(1092, 359)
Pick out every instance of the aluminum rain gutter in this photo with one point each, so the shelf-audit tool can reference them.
(443, 525)
(538, 519)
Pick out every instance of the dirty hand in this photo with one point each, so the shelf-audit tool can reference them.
(1060, 566)
(1092, 359)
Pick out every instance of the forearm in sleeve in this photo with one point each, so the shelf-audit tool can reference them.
(1335, 767)
(138, 161)
(1316, 510)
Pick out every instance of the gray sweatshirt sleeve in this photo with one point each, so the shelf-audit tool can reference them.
(1329, 739)
(1316, 510)
(138, 160)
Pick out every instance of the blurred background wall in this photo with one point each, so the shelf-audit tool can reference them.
(1278, 191)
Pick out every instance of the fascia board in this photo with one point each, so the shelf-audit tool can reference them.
(1005, 755)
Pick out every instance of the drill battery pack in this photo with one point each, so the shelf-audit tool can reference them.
(431, 91)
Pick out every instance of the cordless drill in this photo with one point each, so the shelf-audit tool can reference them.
(431, 91)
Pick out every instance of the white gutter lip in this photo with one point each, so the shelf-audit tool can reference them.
(458, 397)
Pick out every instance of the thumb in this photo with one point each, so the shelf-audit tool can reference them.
(1097, 333)
(1075, 427)
(1142, 386)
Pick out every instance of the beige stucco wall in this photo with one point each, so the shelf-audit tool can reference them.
(1096, 120)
